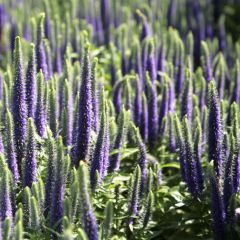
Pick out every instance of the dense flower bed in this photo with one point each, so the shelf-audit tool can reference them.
(119, 119)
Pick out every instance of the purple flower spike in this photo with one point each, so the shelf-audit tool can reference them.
(97, 163)
(30, 163)
(50, 171)
(117, 96)
(191, 168)
(164, 105)
(142, 158)
(13, 34)
(218, 213)
(137, 103)
(94, 95)
(236, 90)
(2, 19)
(40, 116)
(152, 113)
(106, 21)
(30, 83)
(151, 64)
(10, 148)
(57, 207)
(1, 144)
(19, 103)
(214, 129)
(181, 147)
(180, 70)
(134, 200)
(172, 139)
(5, 197)
(171, 12)
(88, 218)
(187, 103)
(144, 119)
(146, 31)
(82, 144)
(228, 187)
(40, 49)
(206, 61)
(58, 58)
(161, 61)
(119, 141)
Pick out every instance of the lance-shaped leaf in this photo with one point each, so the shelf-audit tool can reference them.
(19, 103)
(7, 228)
(34, 214)
(30, 162)
(87, 215)
(18, 228)
(108, 219)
